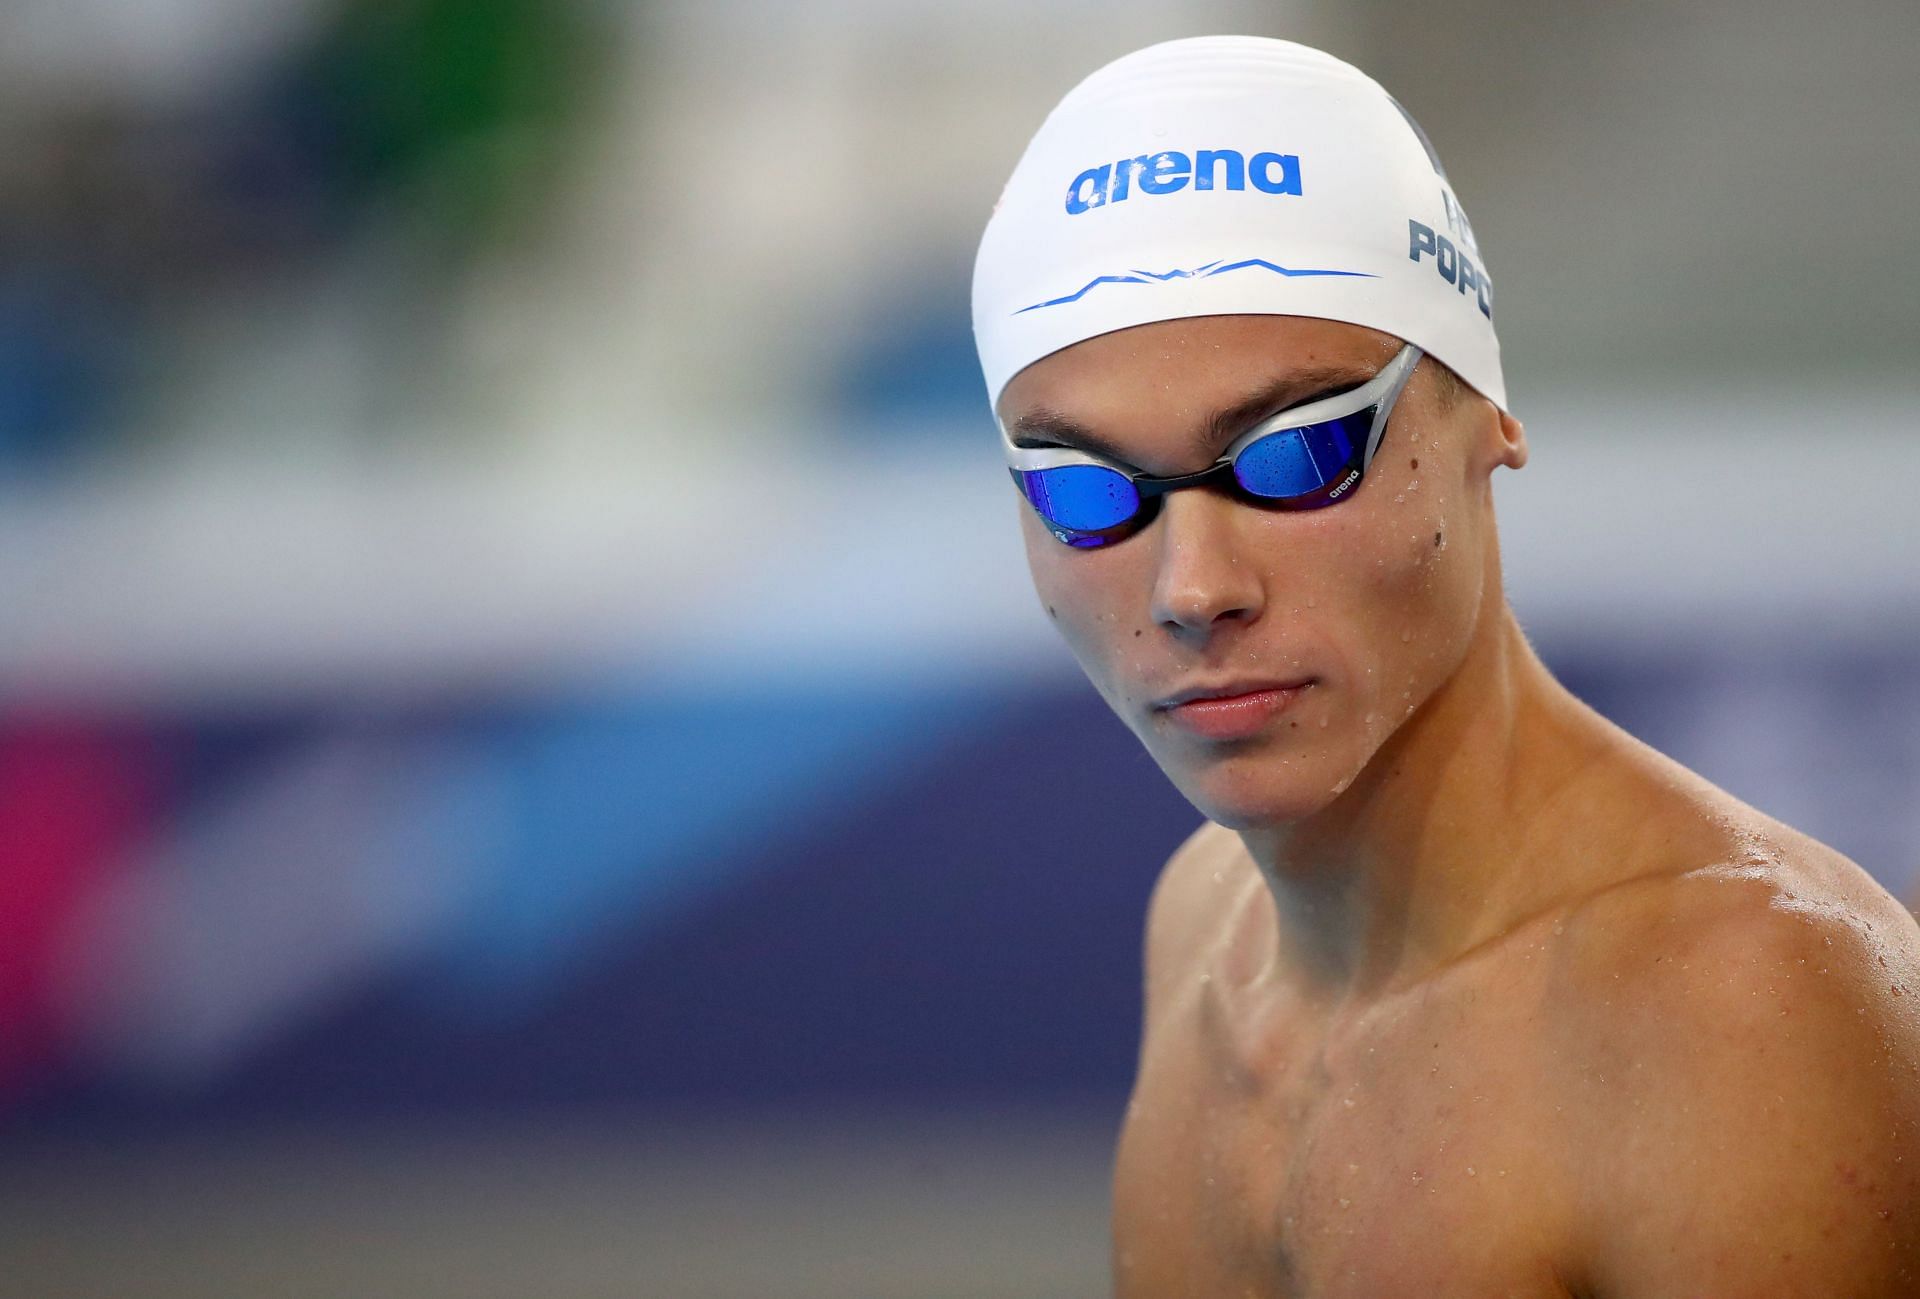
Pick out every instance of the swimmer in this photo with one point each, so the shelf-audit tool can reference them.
(1459, 991)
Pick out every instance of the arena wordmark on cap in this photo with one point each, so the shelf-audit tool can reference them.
(1168, 172)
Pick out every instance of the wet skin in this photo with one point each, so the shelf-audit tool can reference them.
(1460, 990)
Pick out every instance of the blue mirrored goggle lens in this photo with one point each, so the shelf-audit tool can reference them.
(1300, 461)
(1081, 498)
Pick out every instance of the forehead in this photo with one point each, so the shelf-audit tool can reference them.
(1186, 369)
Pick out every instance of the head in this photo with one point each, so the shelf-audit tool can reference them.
(1202, 235)
(1364, 608)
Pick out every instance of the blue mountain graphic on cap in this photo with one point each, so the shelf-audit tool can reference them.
(1208, 271)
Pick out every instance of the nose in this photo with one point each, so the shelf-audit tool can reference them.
(1202, 578)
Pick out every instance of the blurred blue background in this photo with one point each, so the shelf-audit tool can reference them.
(528, 760)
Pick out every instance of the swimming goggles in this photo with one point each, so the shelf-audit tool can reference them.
(1303, 458)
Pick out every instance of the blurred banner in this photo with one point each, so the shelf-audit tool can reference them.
(528, 759)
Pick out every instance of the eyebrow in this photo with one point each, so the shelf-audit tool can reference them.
(1045, 426)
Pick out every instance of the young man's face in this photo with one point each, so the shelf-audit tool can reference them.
(1361, 609)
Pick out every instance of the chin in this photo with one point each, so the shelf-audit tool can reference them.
(1256, 791)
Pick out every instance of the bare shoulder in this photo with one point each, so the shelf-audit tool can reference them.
(1767, 947)
(1743, 1081)
(1185, 908)
(1699, 930)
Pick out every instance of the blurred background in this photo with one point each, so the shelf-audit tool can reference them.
(529, 763)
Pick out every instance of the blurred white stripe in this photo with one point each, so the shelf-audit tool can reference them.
(1642, 515)
(1692, 513)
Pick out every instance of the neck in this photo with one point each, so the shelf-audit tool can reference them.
(1446, 839)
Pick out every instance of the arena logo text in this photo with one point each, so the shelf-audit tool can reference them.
(1170, 170)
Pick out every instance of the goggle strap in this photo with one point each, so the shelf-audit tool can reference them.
(1383, 412)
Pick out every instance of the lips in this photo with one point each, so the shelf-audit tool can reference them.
(1234, 710)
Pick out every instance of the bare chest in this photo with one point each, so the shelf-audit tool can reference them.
(1410, 1154)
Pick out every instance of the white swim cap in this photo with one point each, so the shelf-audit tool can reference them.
(1226, 175)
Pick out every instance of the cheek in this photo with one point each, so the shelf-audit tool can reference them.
(1086, 594)
(1424, 590)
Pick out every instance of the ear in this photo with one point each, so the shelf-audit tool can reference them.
(1495, 438)
(1513, 441)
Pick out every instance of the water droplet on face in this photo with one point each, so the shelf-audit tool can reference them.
(1470, 1171)
(1406, 636)
(1400, 498)
(1414, 485)
(1345, 1203)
